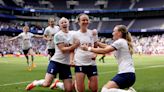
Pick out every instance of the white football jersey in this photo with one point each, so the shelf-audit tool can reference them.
(59, 56)
(123, 56)
(84, 57)
(26, 40)
(50, 32)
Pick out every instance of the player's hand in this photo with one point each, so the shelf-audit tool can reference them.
(84, 47)
(76, 42)
(50, 39)
(72, 64)
(94, 56)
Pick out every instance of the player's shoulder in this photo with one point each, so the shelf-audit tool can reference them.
(121, 41)
(57, 27)
(72, 32)
(60, 33)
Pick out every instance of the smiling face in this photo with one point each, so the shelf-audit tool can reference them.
(64, 23)
(83, 21)
(116, 33)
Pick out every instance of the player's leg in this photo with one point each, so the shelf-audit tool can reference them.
(27, 59)
(93, 83)
(32, 53)
(51, 73)
(66, 76)
(42, 83)
(79, 77)
(119, 82)
(93, 78)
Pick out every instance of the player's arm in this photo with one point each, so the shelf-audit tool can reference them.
(16, 37)
(38, 36)
(64, 49)
(101, 45)
(46, 37)
(107, 49)
(72, 58)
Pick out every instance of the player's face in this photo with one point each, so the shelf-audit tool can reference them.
(84, 21)
(51, 22)
(64, 24)
(25, 29)
(116, 34)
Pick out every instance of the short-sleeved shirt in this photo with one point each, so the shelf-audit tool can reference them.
(50, 32)
(123, 56)
(81, 57)
(59, 56)
(26, 40)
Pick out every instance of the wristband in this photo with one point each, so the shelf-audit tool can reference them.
(89, 48)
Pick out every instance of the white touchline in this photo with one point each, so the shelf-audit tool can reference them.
(14, 83)
(148, 67)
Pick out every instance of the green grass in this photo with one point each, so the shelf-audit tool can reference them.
(149, 73)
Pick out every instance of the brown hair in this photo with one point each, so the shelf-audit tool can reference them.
(78, 17)
(127, 36)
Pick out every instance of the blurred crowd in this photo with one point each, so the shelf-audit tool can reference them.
(143, 45)
(14, 47)
(16, 26)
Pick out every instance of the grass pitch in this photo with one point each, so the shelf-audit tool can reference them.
(14, 75)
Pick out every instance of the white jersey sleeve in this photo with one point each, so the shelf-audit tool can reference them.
(58, 39)
(123, 56)
(46, 32)
(117, 44)
(31, 35)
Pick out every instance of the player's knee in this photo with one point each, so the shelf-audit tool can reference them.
(68, 89)
(46, 84)
(94, 89)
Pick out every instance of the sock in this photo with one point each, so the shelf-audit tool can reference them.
(32, 58)
(60, 85)
(113, 90)
(27, 60)
(39, 82)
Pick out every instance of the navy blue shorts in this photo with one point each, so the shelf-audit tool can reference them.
(88, 70)
(124, 80)
(51, 52)
(63, 70)
(26, 51)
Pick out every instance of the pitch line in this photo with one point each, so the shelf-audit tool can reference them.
(148, 67)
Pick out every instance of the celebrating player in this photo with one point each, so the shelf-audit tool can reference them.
(123, 53)
(26, 45)
(60, 62)
(49, 33)
(84, 60)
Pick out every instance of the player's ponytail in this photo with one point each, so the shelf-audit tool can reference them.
(127, 36)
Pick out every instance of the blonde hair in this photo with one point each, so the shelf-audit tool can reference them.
(51, 19)
(127, 36)
(26, 27)
(78, 17)
(63, 18)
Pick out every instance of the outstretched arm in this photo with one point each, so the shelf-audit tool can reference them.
(102, 45)
(14, 38)
(38, 36)
(107, 49)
